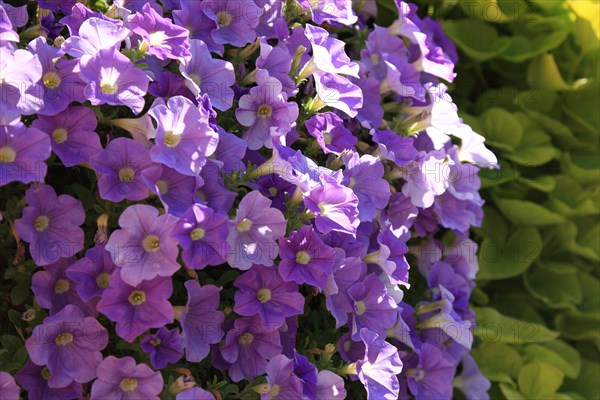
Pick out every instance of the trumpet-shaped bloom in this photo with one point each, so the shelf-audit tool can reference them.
(164, 347)
(122, 378)
(23, 151)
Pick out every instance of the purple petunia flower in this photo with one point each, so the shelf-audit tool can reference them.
(34, 379)
(262, 292)
(471, 381)
(20, 71)
(339, 11)
(364, 175)
(69, 344)
(91, 274)
(54, 290)
(95, 34)
(60, 83)
(7, 34)
(266, 111)
(378, 369)
(213, 192)
(330, 132)
(8, 387)
(330, 386)
(235, 20)
(281, 380)
(72, 132)
(198, 24)
(230, 151)
(120, 166)
(425, 178)
(160, 37)
(184, 138)
(305, 258)
(143, 247)
(22, 153)
(122, 378)
(194, 393)
(391, 254)
(248, 346)
(307, 373)
(135, 309)
(433, 376)
(17, 15)
(212, 76)
(202, 234)
(164, 347)
(50, 224)
(277, 61)
(338, 92)
(79, 14)
(112, 79)
(201, 321)
(175, 191)
(373, 308)
(334, 205)
(347, 271)
(254, 232)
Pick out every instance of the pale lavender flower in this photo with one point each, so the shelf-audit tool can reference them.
(122, 378)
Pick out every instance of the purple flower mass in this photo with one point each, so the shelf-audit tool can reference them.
(69, 344)
(308, 163)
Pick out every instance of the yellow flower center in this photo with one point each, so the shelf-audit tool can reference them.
(63, 339)
(361, 307)
(171, 139)
(352, 182)
(302, 257)
(59, 135)
(46, 373)
(51, 80)
(126, 174)
(61, 286)
(246, 338)
(128, 384)
(244, 225)
(137, 298)
(327, 138)
(264, 111)
(163, 187)
(103, 280)
(41, 223)
(197, 234)
(263, 295)
(224, 18)
(274, 392)
(108, 87)
(7, 154)
(273, 191)
(151, 243)
(155, 342)
(196, 79)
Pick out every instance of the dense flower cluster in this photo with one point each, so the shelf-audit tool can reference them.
(271, 178)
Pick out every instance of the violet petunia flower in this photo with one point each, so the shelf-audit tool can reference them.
(112, 79)
(34, 379)
(60, 83)
(305, 258)
(281, 380)
(122, 378)
(95, 34)
(426, 178)
(69, 344)
(213, 192)
(262, 292)
(72, 132)
(53, 289)
(50, 224)
(338, 92)
(18, 15)
(254, 232)
(307, 373)
(266, 111)
(184, 138)
(339, 11)
(79, 14)
(205, 74)
(175, 191)
(277, 61)
(23, 151)
(471, 381)
(378, 369)
(432, 379)
(330, 386)
(202, 233)
(346, 272)
(160, 37)
(92, 273)
(364, 175)
(8, 387)
(194, 393)
(191, 17)
(248, 347)
(373, 308)
(120, 166)
(58, 5)
(7, 34)
(164, 347)
(330, 132)
(143, 248)
(235, 20)
(329, 54)
(201, 320)
(135, 309)
(334, 205)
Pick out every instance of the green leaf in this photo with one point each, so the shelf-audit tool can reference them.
(534, 353)
(578, 325)
(521, 212)
(495, 327)
(495, 358)
(544, 73)
(543, 183)
(494, 225)
(477, 39)
(556, 291)
(501, 128)
(19, 294)
(501, 261)
(511, 393)
(539, 380)
(11, 343)
(586, 384)
(532, 155)
(567, 353)
(582, 107)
